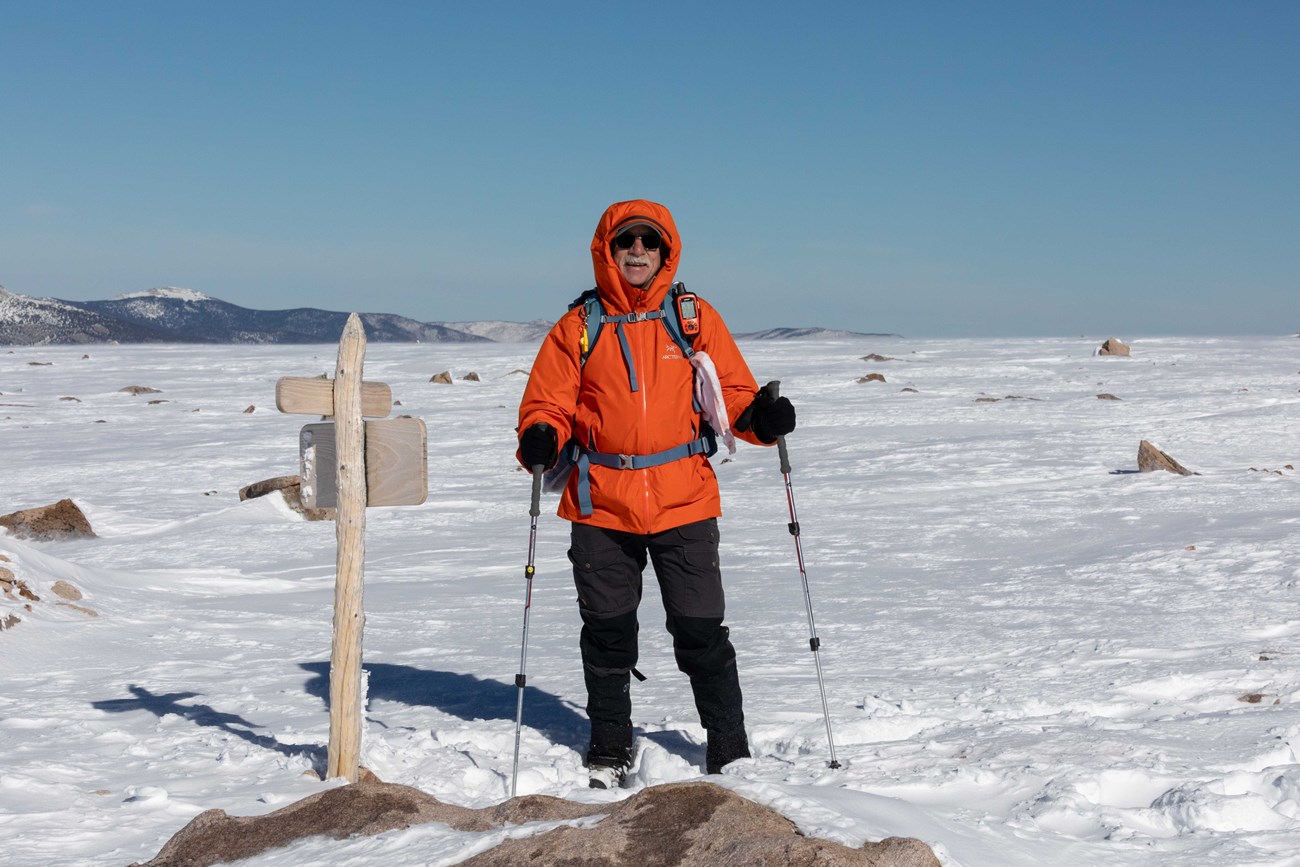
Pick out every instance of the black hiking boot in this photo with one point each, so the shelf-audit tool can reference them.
(606, 776)
(609, 756)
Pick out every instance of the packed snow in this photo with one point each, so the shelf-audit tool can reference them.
(1033, 654)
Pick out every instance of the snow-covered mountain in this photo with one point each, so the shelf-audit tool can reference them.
(25, 321)
(171, 314)
(168, 292)
(193, 317)
(504, 332)
(175, 315)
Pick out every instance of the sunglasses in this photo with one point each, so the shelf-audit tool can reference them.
(651, 240)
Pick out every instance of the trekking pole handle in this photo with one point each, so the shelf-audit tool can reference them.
(536, 508)
(773, 389)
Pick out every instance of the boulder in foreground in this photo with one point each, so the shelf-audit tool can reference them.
(688, 824)
(61, 520)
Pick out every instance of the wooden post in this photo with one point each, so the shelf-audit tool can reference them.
(349, 615)
(392, 471)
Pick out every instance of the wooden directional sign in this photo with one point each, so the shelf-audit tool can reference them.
(397, 463)
(314, 395)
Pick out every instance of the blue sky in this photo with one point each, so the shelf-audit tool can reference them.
(930, 169)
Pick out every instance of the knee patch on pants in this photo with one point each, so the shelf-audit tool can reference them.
(609, 644)
(701, 645)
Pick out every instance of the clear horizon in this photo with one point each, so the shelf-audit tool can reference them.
(1099, 336)
(934, 171)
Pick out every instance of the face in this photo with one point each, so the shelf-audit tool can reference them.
(637, 264)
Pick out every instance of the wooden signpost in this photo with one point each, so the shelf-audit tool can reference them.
(396, 463)
(382, 463)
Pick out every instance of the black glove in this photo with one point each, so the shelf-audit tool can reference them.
(539, 445)
(768, 418)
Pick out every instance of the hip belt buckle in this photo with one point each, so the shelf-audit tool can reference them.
(625, 462)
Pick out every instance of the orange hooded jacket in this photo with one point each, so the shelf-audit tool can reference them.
(596, 405)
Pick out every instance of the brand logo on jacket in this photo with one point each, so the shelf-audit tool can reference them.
(671, 351)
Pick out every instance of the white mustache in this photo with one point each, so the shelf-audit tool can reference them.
(635, 260)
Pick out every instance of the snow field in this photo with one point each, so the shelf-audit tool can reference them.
(1029, 658)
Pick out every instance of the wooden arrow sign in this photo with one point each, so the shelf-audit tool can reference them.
(314, 395)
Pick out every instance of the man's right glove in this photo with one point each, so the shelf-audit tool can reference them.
(539, 444)
(768, 418)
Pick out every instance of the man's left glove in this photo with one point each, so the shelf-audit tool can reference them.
(768, 418)
(539, 445)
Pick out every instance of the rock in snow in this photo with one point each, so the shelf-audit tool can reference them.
(61, 520)
(695, 824)
(1113, 347)
(1151, 458)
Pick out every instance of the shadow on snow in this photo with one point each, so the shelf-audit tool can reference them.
(463, 696)
(460, 695)
(161, 705)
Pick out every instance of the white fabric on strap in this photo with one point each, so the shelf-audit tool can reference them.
(708, 394)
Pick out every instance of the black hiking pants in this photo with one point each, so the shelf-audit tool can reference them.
(607, 570)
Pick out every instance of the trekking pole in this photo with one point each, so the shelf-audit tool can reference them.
(521, 679)
(773, 388)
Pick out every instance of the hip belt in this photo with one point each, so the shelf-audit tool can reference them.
(582, 458)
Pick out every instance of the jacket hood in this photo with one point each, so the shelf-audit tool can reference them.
(618, 295)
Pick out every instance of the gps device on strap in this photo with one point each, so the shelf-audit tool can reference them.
(688, 313)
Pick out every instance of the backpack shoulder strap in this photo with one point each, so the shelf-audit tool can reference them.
(592, 315)
(585, 297)
(673, 323)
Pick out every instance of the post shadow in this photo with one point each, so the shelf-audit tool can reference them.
(160, 705)
(463, 696)
(460, 695)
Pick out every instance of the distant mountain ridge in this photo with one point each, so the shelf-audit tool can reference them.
(194, 317)
(800, 333)
(175, 315)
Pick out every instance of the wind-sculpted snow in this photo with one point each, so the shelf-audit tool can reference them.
(1034, 655)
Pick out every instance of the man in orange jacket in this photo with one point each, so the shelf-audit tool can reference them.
(629, 416)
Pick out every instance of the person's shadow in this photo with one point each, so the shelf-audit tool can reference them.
(160, 705)
(463, 696)
(460, 695)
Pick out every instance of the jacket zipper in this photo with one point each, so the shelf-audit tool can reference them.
(645, 416)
